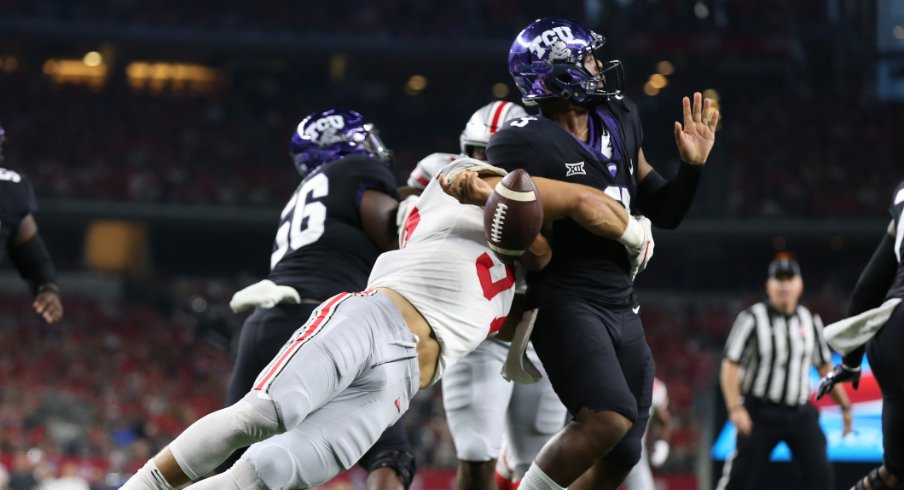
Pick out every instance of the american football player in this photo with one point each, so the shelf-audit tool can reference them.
(331, 231)
(482, 407)
(351, 370)
(876, 303)
(20, 240)
(588, 333)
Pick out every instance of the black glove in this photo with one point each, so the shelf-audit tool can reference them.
(838, 374)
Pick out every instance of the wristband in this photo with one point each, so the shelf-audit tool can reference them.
(633, 235)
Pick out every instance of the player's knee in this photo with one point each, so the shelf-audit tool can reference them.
(255, 421)
(604, 425)
(402, 462)
(475, 449)
(277, 467)
(625, 455)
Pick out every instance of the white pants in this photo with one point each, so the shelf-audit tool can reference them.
(343, 378)
(482, 407)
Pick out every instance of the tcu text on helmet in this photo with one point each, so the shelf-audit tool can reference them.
(325, 126)
(547, 38)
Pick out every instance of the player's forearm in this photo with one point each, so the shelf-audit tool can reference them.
(599, 213)
(731, 384)
(667, 202)
(34, 264)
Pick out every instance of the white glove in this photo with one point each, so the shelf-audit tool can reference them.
(659, 454)
(638, 241)
(263, 294)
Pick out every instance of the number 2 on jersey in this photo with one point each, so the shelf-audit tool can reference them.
(301, 211)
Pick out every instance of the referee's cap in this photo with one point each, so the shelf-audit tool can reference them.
(784, 266)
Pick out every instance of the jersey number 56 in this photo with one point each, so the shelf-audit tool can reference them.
(302, 218)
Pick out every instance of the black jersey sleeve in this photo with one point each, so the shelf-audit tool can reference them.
(366, 174)
(20, 202)
(511, 149)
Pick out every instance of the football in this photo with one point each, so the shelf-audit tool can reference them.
(513, 215)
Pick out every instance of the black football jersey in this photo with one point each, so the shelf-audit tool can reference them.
(17, 200)
(321, 248)
(582, 263)
(897, 209)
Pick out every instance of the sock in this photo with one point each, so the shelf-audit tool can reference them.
(536, 479)
(147, 478)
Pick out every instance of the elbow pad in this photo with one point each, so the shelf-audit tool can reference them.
(33, 263)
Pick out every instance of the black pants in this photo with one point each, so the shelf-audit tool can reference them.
(887, 362)
(263, 335)
(772, 423)
(597, 357)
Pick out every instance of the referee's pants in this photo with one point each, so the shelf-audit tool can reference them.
(773, 423)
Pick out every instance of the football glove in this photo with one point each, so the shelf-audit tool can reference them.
(659, 454)
(838, 374)
(263, 294)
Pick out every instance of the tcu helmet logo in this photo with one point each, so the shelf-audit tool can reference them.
(555, 39)
(323, 130)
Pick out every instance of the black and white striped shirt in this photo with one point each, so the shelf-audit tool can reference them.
(775, 353)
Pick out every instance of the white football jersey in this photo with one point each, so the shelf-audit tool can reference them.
(428, 167)
(446, 270)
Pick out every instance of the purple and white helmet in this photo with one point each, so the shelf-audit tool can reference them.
(332, 134)
(547, 60)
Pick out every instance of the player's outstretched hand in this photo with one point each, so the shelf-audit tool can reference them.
(640, 256)
(49, 306)
(839, 374)
(263, 294)
(467, 187)
(696, 137)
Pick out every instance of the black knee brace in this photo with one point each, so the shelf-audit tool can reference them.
(402, 462)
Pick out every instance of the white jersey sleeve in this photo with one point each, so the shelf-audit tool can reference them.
(447, 271)
(428, 167)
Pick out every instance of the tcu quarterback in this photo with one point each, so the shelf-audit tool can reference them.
(482, 407)
(20, 240)
(351, 370)
(588, 333)
(331, 231)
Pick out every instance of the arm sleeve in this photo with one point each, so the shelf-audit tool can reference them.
(371, 175)
(821, 353)
(667, 202)
(872, 287)
(509, 150)
(742, 332)
(33, 263)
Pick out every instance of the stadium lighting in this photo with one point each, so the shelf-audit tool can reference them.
(701, 10)
(898, 32)
(658, 81)
(665, 67)
(650, 90)
(416, 84)
(500, 90)
(93, 59)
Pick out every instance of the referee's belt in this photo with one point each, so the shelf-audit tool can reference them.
(761, 403)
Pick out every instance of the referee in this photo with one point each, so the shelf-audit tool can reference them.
(765, 382)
